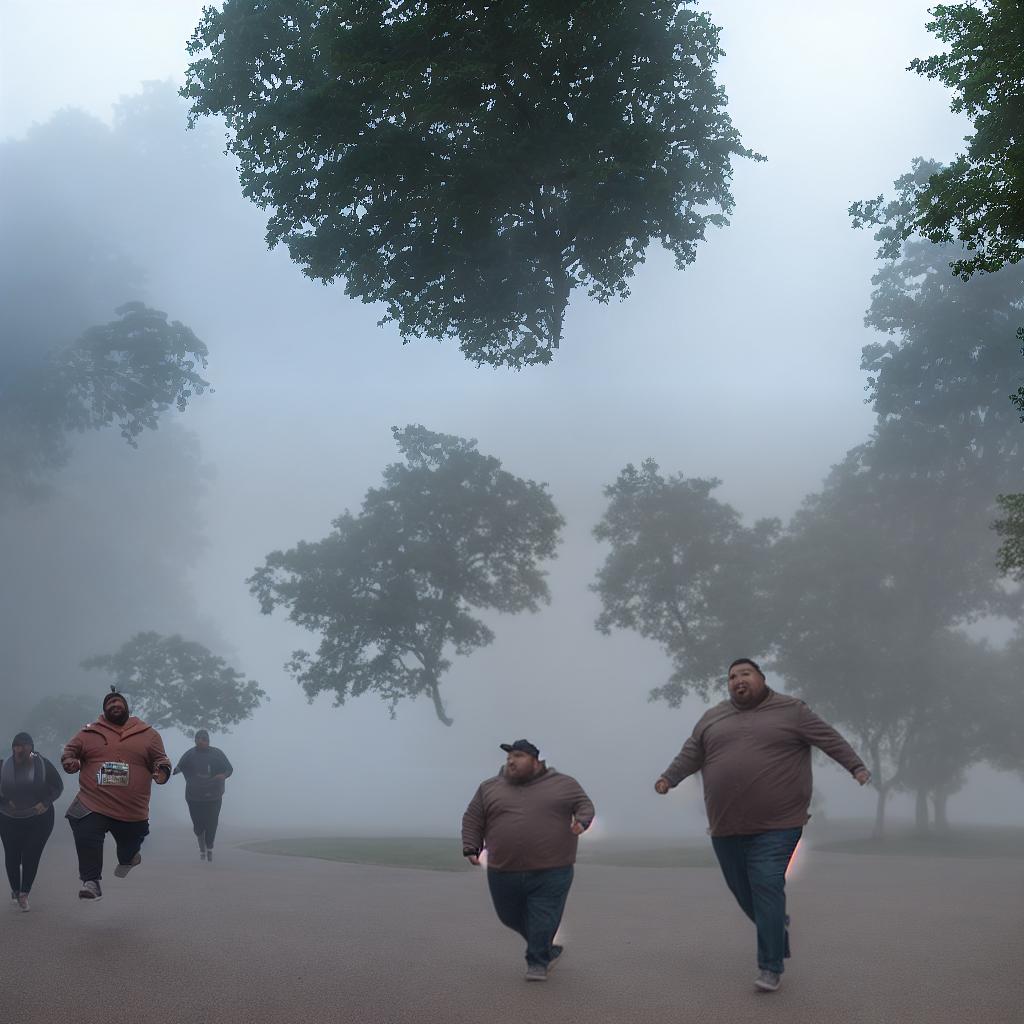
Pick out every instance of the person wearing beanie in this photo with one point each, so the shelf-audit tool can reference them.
(205, 768)
(753, 751)
(29, 784)
(118, 758)
(527, 819)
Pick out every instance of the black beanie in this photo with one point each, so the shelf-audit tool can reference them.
(23, 740)
(110, 696)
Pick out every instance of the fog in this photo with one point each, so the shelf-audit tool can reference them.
(744, 367)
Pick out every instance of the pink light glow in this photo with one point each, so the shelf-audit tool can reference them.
(796, 861)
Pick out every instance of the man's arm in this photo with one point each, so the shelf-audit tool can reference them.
(54, 783)
(820, 734)
(159, 762)
(582, 808)
(688, 761)
(474, 823)
(225, 768)
(71, 755)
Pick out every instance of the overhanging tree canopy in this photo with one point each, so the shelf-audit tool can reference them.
(470, 165)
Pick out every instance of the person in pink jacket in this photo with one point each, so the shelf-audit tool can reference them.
(118, 758)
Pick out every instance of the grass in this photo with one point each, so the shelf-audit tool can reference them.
(975, 841)
(432, 854)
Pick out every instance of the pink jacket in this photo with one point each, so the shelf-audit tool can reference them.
(117, 767)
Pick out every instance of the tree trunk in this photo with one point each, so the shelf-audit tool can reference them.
(879, 830)
(435, 696)
(941, 798)
(921, 812)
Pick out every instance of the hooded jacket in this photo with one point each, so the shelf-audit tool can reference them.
(199, 768)
(117, 767)
(21, 789)
(526, 826)
(755, 763)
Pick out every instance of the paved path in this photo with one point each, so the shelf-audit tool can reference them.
(263, 939)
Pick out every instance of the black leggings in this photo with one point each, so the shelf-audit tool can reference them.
(205, 815)
(24, 839)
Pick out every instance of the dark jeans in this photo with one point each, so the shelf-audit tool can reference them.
(205, 815)
(90, 832)
(24, 839)
(531, 903)
(755, 871)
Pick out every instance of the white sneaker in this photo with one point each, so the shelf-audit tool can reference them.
(767, 981)
(90, 891)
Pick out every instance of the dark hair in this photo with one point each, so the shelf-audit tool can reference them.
(202, 734)
(747, 661)
(23, 740)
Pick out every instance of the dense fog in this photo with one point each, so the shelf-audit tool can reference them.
(744, 368)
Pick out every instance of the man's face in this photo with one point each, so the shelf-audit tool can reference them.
(746, 685)
(21, 751)
(520, 766)
(202, 743)
(116, 711)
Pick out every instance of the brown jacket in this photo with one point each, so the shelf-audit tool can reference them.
(135, 745)
(526, 826)
(756, 763)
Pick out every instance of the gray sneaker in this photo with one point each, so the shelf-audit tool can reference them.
(767, 981)
(122, 869)
(90, 891)
(536, 972)
(23, 902)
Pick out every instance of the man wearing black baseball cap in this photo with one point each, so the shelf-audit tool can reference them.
(527, 819)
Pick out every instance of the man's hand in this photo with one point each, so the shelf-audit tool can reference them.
(39, 808)
(71, 765)
(218, 778)
(474, 859)
(577, 829)
(862, 775)
(661, 787)
(161, 775)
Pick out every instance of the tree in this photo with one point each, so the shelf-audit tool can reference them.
(469, 166)
(54, 720)
(175, 683)
(1011, 529)
(391, 589)
(129, 370)
(683, 571)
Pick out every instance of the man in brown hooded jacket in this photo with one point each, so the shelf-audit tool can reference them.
(528, 818)
(754, 755)
(118, 757)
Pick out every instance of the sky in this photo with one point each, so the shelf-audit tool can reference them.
(744, 367)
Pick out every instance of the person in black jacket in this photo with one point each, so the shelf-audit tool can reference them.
(205, 768)
(29, 784)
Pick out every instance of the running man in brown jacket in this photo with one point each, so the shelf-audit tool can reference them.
(754, 755)
(119, 758)
(528, 819)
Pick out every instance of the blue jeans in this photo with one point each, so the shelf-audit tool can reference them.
(531, 903)
(755, 871)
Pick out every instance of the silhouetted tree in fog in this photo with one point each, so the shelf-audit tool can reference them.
(392, 589)
(172, 682)
(470, 165)
(685, 572)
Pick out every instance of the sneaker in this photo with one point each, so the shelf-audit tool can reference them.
(767, 981)
(536, 972)
(23, 902)
(90, 891)
(556, 952)
(202, 843)
(209, 856)
(122, 869)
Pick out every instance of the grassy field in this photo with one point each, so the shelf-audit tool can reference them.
(975, 841)
(443, 854)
